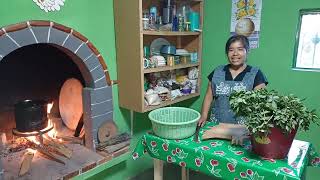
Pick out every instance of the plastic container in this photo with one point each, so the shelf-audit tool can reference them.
(174, 122)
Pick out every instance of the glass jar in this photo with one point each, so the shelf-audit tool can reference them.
(145, 21)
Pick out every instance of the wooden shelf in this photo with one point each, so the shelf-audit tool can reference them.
(170, 33)
(169, 102)
(130, 41)
(169, 68)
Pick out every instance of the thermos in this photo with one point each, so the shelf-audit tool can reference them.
(168, 11)
(194, 18)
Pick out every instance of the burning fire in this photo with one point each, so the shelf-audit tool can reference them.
(33, 151)
(49, 107)
(51, 134)
(33, 139)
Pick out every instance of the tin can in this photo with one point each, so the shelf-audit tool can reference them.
(170, 60)
(181, 23)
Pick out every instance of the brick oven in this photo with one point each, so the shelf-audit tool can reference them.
(36, 57)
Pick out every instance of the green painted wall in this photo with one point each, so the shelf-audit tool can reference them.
(94, 19)
(274, 56)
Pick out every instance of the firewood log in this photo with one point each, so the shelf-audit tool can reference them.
(26, 163)
(46, 151)
(114, 140)
(115, 147)
(75, 140)
(58, 147)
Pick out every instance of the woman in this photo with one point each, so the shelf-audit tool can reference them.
(237, 75)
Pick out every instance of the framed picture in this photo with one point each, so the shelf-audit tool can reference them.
(307, 46)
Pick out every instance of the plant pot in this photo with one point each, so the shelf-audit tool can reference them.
(275, 145)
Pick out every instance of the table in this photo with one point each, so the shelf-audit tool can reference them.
(220, 159)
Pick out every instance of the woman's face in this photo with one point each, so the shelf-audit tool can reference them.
(237, 54)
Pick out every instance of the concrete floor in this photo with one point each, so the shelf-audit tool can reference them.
(171, 172)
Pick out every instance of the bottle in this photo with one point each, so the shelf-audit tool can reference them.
(154, 11)
(152, 21)
(181, 23)
(175, 24)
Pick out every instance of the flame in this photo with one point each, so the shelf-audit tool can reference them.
(33, 139)
(33, 151)
(49, 107)
(53, 133)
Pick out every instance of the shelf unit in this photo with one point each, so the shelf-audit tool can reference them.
(130, 39)
(170, 33)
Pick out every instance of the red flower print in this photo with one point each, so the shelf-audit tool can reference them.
(230, 167)
(243, 175)
(214, 162)
(315, 161)
(238, 152)
(178, 150)
(294, 165)
(219, 152)
(249, 172)
(198, 162)
(135, 155)
(286, 170)
(169, 159)
(245, 159)
(213, 144)
(173, 152)
(205, 148)
(165, 147)
(153, 144)
(182, 164)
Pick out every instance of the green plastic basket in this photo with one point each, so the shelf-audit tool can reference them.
(174, 122)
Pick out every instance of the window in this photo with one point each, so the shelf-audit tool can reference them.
(307, 47)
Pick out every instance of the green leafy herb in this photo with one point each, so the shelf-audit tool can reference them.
(264, 109)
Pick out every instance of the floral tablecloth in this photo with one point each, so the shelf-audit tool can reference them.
(218, 158)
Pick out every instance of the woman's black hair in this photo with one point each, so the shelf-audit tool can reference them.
(243, 39)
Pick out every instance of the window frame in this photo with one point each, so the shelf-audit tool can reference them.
(303, 12)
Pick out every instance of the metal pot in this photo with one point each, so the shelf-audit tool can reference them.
(31, 115)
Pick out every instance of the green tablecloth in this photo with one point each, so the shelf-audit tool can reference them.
(218, 158)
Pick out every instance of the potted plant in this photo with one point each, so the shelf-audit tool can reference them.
(272, 119)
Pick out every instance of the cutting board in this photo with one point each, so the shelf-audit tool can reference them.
(70, 102)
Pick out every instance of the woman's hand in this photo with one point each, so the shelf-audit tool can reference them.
(202, 121)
